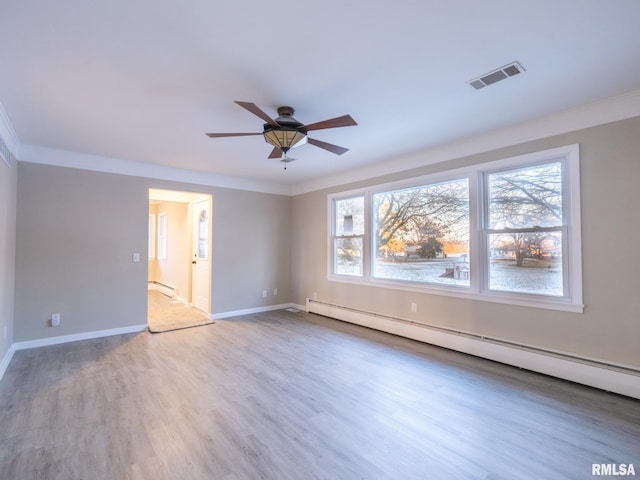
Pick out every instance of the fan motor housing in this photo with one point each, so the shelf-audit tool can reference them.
(290, 134)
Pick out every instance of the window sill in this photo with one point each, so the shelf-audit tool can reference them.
(531, 301)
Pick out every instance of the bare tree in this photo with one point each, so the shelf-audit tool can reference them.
(526, 199)
(419, 213)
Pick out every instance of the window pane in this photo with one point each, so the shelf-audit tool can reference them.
(348, 256)
(527, 197)
(526, 262)
(152, 236)
(162, 236)
(349, 216)
(422, 233)
(203, 234)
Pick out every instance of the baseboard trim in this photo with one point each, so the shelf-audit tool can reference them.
(248, 311)
(45, 342)
(621, 379)
(6, 359)
(184, 301)
(167, 290)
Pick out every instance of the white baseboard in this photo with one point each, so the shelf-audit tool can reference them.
(44, 342)
(167, 290)
(621, 379)
(248, 311)
(6, 359)
(184, 301)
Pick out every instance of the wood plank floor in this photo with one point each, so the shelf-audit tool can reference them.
(284, 395)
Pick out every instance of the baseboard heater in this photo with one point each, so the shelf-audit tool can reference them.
(611, 377)
(168, 290)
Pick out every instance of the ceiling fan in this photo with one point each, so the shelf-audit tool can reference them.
(285, 132)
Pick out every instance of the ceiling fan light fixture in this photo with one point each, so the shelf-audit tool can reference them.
(285, 138)
(285, 132)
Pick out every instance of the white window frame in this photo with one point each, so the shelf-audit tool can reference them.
(572, 299)
(162, 236)
(333, 236)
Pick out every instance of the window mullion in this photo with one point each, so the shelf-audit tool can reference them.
(556, 228)
(476, 205)
(368, 255)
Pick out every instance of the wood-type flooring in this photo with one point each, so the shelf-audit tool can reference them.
(285, 395)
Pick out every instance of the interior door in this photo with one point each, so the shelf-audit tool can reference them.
(201, 282)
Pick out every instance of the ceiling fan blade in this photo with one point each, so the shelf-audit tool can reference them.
(328, 146)
(253, 108)
(219, 135)
(343, 121)
(275, 153)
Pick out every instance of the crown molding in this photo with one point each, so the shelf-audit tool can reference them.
(8, 134)
(597, 113)
(610, 110)
(97, 163)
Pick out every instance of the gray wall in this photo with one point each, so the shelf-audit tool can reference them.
(608, 329)
(76, 234)
(8, 185)
(77, 230)
(251, 249)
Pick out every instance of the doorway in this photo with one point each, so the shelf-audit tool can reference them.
(201, 270)
(180, 248)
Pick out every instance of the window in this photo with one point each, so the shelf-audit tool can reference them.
(348, 235)
(506, 231)
(203, 234)
(422, 233)
(152, 236)
(524, 229)
(162, 236)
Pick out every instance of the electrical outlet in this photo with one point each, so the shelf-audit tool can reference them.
(275, 291)
(5, 332)
(315, 296)
(55, 319)
(414, 308)
(264, 293)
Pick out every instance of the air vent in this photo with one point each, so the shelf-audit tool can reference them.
(497, 75)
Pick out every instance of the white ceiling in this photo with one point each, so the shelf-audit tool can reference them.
(144, 80)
